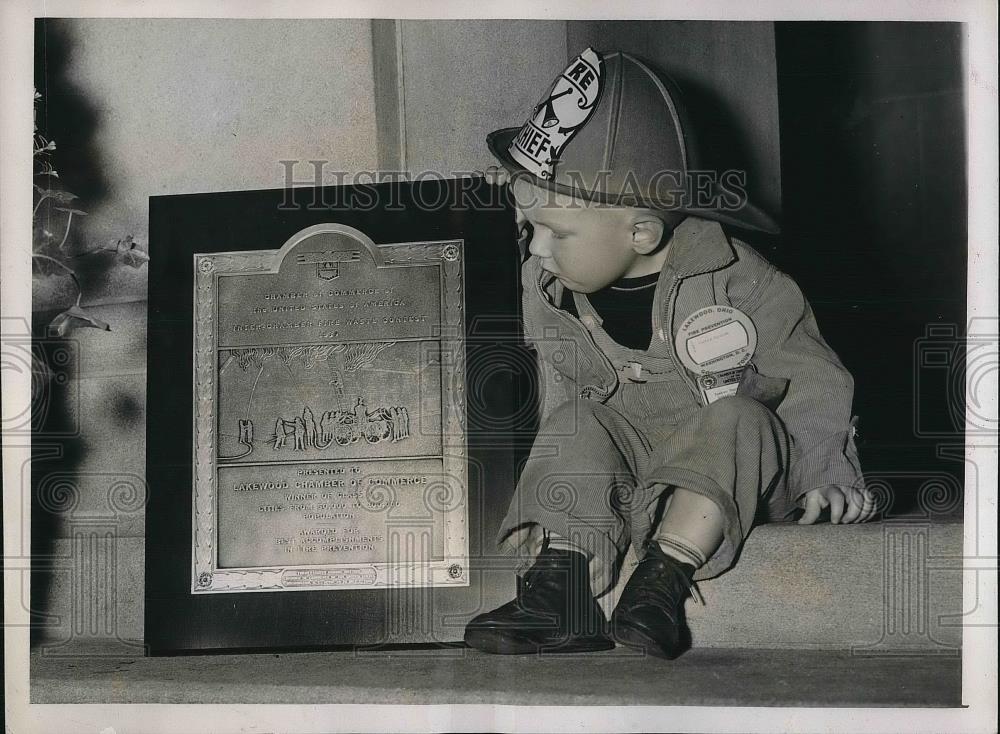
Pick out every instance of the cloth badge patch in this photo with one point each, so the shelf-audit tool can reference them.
(719, 385)
(716, 343)
(556, 119)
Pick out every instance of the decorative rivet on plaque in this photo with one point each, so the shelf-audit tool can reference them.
(205, 265)
(205, 579)
(455, 571)
(450, 253)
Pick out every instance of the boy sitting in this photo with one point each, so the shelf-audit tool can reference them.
(686, 389)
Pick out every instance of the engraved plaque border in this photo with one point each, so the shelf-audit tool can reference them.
(452, 570)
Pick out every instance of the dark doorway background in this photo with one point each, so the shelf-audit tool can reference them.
(875, 230)
(871, 196)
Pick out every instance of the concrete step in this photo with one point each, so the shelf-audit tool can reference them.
(882, 588)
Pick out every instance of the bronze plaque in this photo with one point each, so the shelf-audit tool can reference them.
(329, 426)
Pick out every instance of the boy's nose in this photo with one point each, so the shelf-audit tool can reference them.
(538, 245)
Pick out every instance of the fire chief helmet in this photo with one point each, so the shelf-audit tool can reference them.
(612, 129)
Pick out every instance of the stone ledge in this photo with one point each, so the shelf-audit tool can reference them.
(830, 588)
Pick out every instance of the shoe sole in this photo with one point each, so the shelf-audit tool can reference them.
(500, 642)
(636, 639)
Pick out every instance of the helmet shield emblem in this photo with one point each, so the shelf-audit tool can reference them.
(556, 119)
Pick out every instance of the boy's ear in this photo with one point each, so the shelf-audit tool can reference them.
(647, 232)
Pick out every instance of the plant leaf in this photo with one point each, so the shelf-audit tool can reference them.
(70, 210)
(135, 257)
(63, 197)
(73, 318)
(128, 251)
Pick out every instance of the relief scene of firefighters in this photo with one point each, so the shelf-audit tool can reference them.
(296, 431)
(344, 427)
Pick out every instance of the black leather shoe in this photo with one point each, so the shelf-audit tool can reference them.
(553, 611)
(650, 614)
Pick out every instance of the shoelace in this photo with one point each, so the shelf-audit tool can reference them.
(690, 583)
(696, 592)
(546, 579)
(667, 598)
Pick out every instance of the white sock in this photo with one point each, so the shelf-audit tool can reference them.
(680, 549)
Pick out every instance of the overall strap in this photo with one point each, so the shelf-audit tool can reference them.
(632, 365)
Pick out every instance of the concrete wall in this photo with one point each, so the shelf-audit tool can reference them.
(464, 79)
(146, 107)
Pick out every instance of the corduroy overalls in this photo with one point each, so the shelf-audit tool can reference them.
(619, 426)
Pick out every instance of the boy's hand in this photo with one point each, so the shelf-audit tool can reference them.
(846, 504)
(496, 175)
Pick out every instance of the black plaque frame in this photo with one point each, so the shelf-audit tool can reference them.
(500, 413)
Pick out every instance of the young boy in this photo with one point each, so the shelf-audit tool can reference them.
(686, 389)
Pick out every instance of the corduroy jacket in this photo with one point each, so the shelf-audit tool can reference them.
(794, 372)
